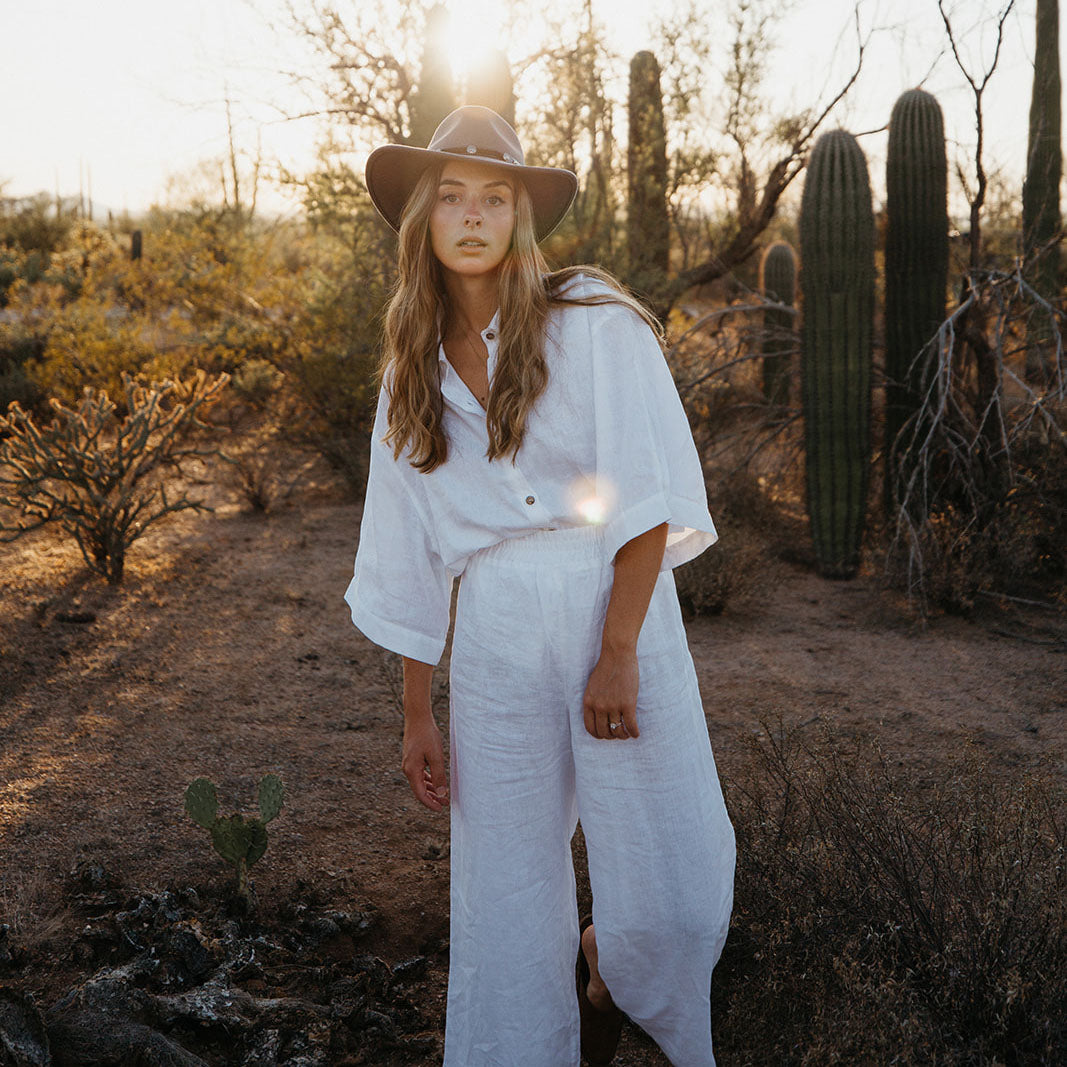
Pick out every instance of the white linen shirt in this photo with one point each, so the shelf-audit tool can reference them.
(607, 442)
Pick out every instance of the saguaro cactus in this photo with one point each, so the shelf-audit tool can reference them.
(647, 222)
(916, 259)
(435, 94)
(837, 283)
(1041, 190)
(778, 282)
(490, 85)
(239, 841)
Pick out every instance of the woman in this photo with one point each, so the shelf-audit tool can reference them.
(529, 438)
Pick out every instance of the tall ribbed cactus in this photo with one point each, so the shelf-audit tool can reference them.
(778, 282)
(490, 85)
(435, 95)
(916, 260)
(837, 283)
(647, 222)
(1041, 190)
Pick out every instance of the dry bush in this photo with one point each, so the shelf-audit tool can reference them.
(749, 447)
(262, 467)
(982, 483)
(332, 412)
(32, 910)
(752, 531)
(884, 919)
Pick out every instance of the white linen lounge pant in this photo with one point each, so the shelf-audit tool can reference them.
(524, 770)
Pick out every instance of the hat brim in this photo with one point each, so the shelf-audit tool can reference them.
(393, 171)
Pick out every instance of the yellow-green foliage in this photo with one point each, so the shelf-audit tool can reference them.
(205, 294)
(290, 310)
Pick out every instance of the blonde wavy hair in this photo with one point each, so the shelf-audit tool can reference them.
(419, 314)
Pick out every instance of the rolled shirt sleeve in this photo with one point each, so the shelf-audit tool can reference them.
(401, 590)
(647, 468)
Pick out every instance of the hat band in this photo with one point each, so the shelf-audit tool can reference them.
(476, 150)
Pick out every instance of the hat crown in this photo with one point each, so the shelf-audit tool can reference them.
(477, 132)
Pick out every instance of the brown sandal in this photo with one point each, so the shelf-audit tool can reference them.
(600, 1029)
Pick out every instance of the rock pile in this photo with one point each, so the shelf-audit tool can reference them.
(174, 982)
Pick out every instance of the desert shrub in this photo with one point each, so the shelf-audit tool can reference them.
(261, 466)
(208, 293)
(256, 381)
(99, 476)
(704, 583)
(731, 568)
(331, 352)
(881, 919)
(335, 396)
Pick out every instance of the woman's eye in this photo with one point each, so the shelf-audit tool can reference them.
(450, 198)
(494, 201)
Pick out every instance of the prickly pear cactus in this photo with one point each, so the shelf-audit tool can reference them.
(778, 282)
(240, 841)
(837, 283)
(271, 795)
(202, 803)
(916, 263)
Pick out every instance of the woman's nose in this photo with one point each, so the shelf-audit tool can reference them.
(472, 217)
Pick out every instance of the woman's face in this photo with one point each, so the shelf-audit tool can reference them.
(474, 216)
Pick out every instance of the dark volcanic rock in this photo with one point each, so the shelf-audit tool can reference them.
(23, 1037)
(188, 983)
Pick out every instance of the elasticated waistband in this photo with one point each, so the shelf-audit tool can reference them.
(569, 542)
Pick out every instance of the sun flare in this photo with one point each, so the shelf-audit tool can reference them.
(472, 31)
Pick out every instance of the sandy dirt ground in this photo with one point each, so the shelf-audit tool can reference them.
(228, 652)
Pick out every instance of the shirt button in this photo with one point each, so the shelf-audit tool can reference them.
(490, 336)
(529, 500)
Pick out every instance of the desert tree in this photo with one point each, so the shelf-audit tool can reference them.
(757, 155)
(569, 121)
(982, 501)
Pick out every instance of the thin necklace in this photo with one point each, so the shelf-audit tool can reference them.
(483, 400)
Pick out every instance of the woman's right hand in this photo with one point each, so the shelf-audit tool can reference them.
(423, 762)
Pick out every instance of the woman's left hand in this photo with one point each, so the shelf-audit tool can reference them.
(611, 696)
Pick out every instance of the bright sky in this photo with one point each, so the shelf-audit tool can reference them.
(131, 94)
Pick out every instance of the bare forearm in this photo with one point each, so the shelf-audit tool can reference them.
(637, 565)
(423, 761)
(609, 706)
(417, 678)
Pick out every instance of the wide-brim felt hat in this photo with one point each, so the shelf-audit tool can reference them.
(482, 136)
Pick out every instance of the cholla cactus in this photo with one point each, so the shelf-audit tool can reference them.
(240, 841)
(100, 477)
